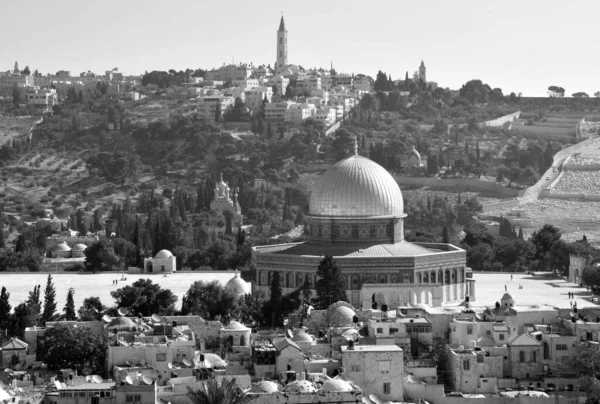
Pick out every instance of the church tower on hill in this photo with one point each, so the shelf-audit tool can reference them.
(282, 46)
(423, 72)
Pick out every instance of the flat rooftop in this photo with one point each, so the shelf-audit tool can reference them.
(373, 348)
(403, 249)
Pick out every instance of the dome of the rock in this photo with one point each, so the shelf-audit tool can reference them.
(356, 187)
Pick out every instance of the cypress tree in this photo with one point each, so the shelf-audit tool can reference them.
(69, 308)
(445, 235)
(5, 307)
(521, 233)
(34, 303)
(276, 298)
(49, 301)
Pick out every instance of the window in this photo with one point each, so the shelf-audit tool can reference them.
(133, 398)
(522, 356)
(466, 365)
(384, 366)
(488, 332)
(501, 337)
(479, 358)
(588, 336)
(387, 388)
(469, 330)
(534, 356)
(355, 368)
(161, 357)
(393, 331)
(561, 347)
(380, 331)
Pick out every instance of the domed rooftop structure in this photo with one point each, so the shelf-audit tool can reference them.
(121, 324)
(341, 316)
(485, 342)
(507, 296)
(163, 255)
(265, 387)
(356, 187)
(302, 336)
(336, 386)
(79, 247)
(62, 247)
(236, 326)
(237, 285)
(300, 387)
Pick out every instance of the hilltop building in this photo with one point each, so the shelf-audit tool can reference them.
(356, 215)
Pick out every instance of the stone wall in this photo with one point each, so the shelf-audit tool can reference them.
(458, 185)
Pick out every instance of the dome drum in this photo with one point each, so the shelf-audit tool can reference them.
(351, 230)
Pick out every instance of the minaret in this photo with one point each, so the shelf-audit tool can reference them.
(282, 48)
(423, 72)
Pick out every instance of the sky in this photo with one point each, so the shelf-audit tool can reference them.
(520, 46)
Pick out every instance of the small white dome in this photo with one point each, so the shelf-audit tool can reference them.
(235, 326)
(237, 285)
(163, 254)
(62, 247)
(300, 387)
(265, 386)
(79, 247)
(336, 386)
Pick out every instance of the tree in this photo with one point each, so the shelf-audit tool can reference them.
(69, 308)
(445, 235)
(227, 392)
(64, 347)
(586, 363)
(250, 310)
(580, 94)
(49, 301)
(330, 286)
(34, 302)
(26, 71)
(145, 298)
(543, 240)
(18, 95)
(24, 316)
(209, 300)
(276, 299)
(556, 91)
(5, 307)
(91, 310)
(597, 94)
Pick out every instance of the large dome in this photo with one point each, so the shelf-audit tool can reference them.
(356, 187)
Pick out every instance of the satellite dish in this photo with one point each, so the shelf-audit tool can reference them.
(141, 334)
(156, 318)
(366, 400)
(187, 363)
(136, 381)
(147, 379)
(375, 399)
(142, 362)
(290, 334)
(170, 365)
(106, 318)
(129, 380)
(8, 370)
(88, 378)
(121, 375)
(128, 363)
(155, 340)
(122, 311)
(97, 379)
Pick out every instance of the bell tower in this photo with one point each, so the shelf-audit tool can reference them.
(423, 72)
(282, 46)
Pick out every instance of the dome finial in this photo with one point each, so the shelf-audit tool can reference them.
(355, 146)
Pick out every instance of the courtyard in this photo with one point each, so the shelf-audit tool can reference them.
(536, 290)
(86, 285)
(489, 287)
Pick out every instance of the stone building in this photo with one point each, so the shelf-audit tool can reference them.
(356, 215)
(525, 356)
(13, 353)
(576, 266)
(376, 369)
(236, 334)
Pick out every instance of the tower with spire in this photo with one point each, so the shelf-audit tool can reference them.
(422, 72)
(282, 46)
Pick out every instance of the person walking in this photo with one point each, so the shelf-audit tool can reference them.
(505, 289)
(511, 277)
